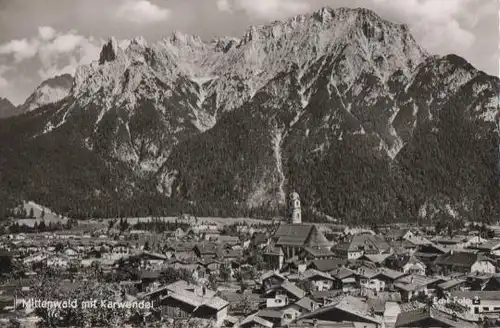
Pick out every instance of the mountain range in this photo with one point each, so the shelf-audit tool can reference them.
(48, 92)
(340, 105)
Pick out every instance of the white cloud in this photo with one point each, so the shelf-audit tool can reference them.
(142, 12)
(438, 24)
(3, 83)
(223, 5)
(65, 43)
(20, 49)
(66, 52)
(58, 52)
(46, 32)
(265, 9)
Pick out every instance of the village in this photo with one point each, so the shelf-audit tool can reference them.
(284, 273)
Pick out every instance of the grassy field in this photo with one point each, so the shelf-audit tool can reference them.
(37, 211)
(103, 223)
(51, 217)
(200, 220)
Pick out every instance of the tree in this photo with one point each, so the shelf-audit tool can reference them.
(306, 285)
(243, 306)
(42, 227)
(59, 247)
(123, 225)
(212, 281)
(6, 264)
(257, 259)
(50, 288)
(170, 275)
(225, 272)
(111, 224)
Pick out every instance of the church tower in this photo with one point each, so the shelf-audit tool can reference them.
(294, 212)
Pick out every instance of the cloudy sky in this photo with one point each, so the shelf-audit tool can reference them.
(43, 38)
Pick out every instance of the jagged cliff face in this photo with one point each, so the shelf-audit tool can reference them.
(338, 104)
(48, 92)
(180, 86)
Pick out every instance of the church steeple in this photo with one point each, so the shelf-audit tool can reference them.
(294, 211)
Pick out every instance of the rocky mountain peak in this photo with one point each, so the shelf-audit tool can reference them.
(225, 44)
(109, 51)
(7, 109)
(339, 104)
(180, 39)
(49, 91)
(139, 42)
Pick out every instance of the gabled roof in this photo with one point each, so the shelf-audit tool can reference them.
(368, 242)
(292, 289)
(319, 252)
(325, 294)
(366, 272)
(418, 240)
(489, 245)
(391, 274)
(191, 294)
(311, 273)
(307, 323)
(412, 318)
(459, 259)
(150, 275)
(306, 303)
(450, 284)
(413, 282)
(268, 313)
(449, 241)
(196, 301)
(375, 258)
(290, 241)
(301, 235)
(343, 273)
(154, 255)
(349, 304)
(438, 248)
(316, 239)
(300, 231)
(271, 273)
(226, 239)
(377, 304)
(328, 264)
(207, 248)
(255, 318)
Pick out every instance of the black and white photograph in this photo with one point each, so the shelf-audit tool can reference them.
(250, 163)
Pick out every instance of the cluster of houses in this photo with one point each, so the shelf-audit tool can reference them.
(292, 274)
